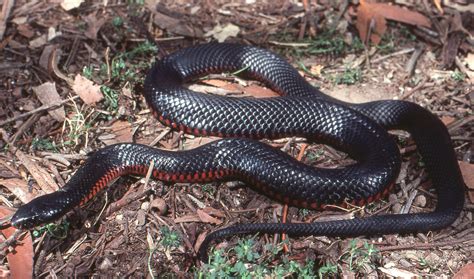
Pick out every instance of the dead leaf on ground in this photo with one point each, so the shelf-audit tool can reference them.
(21, 259)
(187, 219)
(120, 131)
(468, 175)
(42, 176)
(88, 91)
(470, 61)
(19, 188)
(174, 25)
(214, 212)
(71, 4)
(258, 91)
(206, 218)
(93, 25)
(375, 14)
(191, 143)
(48, 95)
(466, 272)
(222, 33)
(398, 273)
(446, 119)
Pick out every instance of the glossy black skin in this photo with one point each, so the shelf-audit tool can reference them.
(359, 130)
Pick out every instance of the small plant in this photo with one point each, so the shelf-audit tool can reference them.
(350, 76)
(117, 21)
(170, 239)
(327, 270)
(244, 250)
(56, 231)
(87, 72)
(111, 97)
(359, 256)
(43, 144)
(248, 263)
(458, 76)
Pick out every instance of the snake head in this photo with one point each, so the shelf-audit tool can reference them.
(41, 210)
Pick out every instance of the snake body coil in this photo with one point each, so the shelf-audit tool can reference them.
(302, 110)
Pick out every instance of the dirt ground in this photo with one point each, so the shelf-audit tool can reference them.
(71, 83)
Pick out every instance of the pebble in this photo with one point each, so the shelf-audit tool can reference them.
(420, 201)
(392, 198)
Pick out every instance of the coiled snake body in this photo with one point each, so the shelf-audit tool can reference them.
(302, 110)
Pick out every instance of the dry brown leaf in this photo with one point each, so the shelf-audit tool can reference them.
(122, 131)
(187, 219)
(397, 13)
(88, 91)
(21, 259)
(315, 70)
(48, 95)
(19, 188)
(26, 30)
(398, 273)
(466, 272)
(438, 6)
(214, 212)
(199, 240)
(174, 25)
(222, 33)
(191, 143)
(446, 119)
(206, 218)
(259, 91)
(42, 176)
(376, 14)
(93, 25)
(71, 4)
(366, 15)
(467, 171)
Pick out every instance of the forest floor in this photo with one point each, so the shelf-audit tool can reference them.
(72, 82)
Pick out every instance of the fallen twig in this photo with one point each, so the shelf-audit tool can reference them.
(36, 110)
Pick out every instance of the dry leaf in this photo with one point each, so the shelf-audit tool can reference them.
(467, 272)
(446, 119)
(398, 273)
(214, 212)
(19, 188)
(222, 33)
(438, 6)
(174, 25)
(397, 13)
(71, 4)
(21, 259)
(315, 70)
(470, 61)
(93, 25)
(39, 42)
(467, 171)
(206, 218)
(259, 91)
(187, 219)
(367, 17)
(48, 95)
(122, 132)
(88, 91)
(42, 176)
(375, 14)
